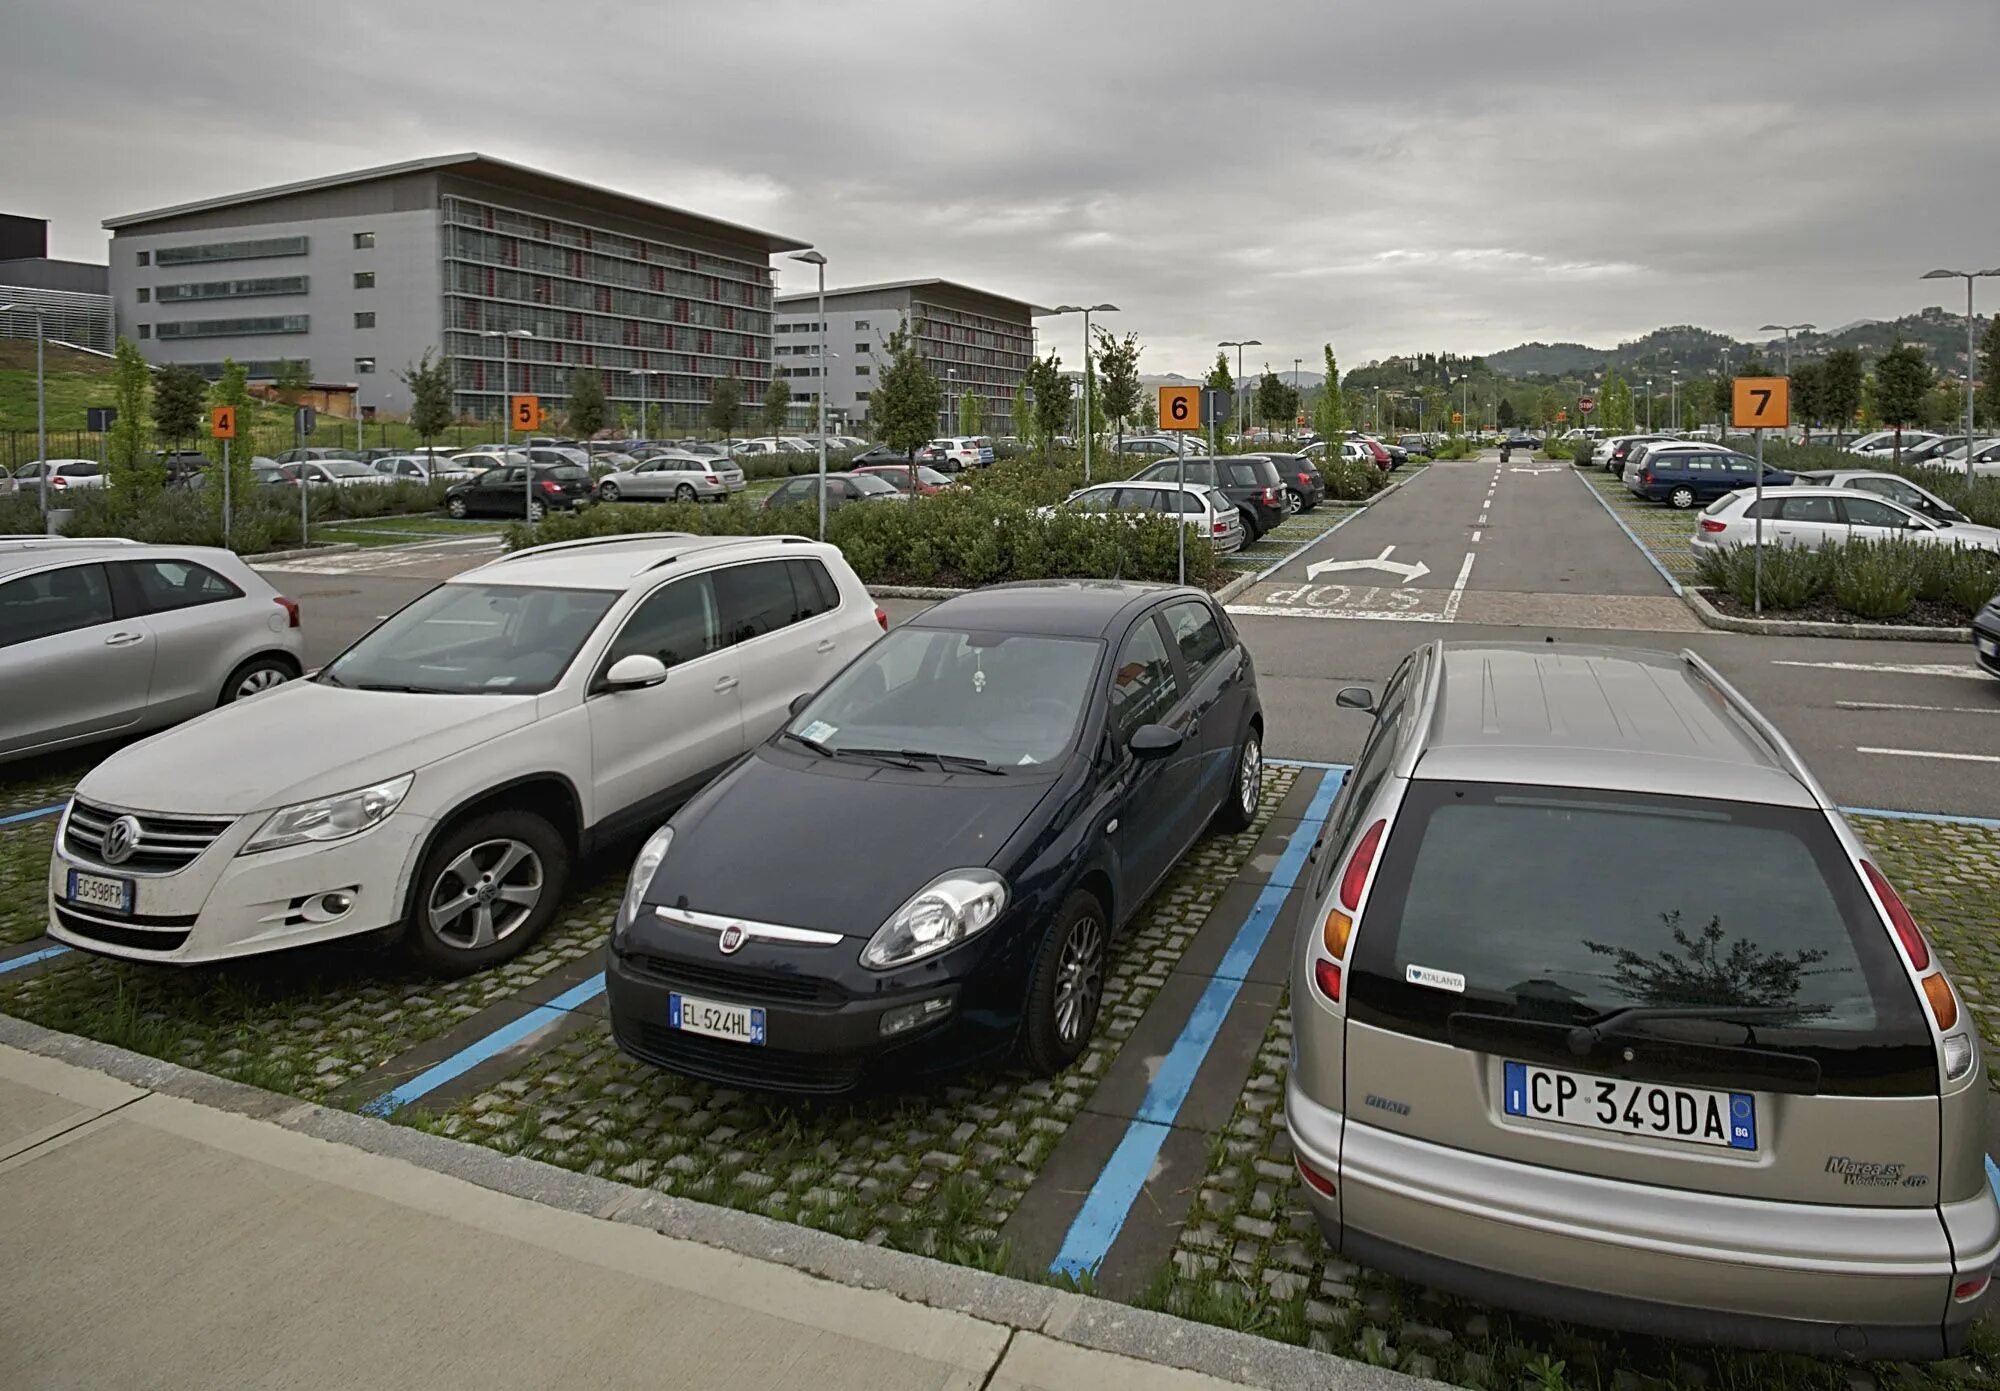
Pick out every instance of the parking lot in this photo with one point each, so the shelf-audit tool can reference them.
(1155, 1170)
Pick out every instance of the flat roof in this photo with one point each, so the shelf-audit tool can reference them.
(812, 296)
(486, 169)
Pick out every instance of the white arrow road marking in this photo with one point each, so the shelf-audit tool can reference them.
(1544, 468)
(1458, 589)
(1404, 568)
(1933, 753)
(1969, 673)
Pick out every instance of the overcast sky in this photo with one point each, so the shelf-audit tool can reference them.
(1393, 177)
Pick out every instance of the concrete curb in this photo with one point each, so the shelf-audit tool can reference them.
(913, 591)
(1081, 1320)
(1794, 628)
(300, 553)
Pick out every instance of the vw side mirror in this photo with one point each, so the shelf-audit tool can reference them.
(1355, 698)
(635, 673)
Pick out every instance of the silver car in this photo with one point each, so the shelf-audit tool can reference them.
(672, 477)
(106, 638)
(1602, 1012)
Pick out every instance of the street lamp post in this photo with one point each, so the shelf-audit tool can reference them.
(642, 373)
(1968, 276)
(1297, 400)
(41, 402)
(1788, 330)
(1086, 311)
(818, 262)
(1246, 343)
(1674, 386)
(507, 421)
(951, 402)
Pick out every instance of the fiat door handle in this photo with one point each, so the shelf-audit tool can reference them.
(124, 639)
(727, 683)
(827, 645)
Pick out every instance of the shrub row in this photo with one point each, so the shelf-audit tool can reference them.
(952, 539)
(1978, 499)
(1874, 580)
(267, 519)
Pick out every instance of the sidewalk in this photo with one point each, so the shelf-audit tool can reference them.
(152, 1239)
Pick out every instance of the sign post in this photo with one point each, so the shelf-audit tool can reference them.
(1181, 412)
(526, 412)
(1586, 404)
(222, 426)
(1760, 404)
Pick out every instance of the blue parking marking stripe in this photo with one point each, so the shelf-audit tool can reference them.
(477, 1052)
(1307, 763)
(1993, 1175)
(31, 815)
(17, 962)
(1630, 534)
(1988, 822)
(1109, 1202)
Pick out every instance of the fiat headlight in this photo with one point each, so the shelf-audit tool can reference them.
(949, 910)
(643, 870)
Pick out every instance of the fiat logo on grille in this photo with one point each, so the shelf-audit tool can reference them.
(121, 838)
(732, 938)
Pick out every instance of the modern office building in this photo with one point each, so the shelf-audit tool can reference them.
(971, 339)
(72, 297)
(358, 275)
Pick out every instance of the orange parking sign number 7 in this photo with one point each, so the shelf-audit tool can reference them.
(1761, 403)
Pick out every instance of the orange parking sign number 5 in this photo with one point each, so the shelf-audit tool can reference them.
(527, 412)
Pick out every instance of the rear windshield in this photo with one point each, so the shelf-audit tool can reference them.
(1251, 473)
(562, 473)
(1560, 905)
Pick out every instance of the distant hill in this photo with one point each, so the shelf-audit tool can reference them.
(1548, 360)
(1699, 352)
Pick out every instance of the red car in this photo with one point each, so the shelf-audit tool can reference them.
(929, 480)
(1381, 456)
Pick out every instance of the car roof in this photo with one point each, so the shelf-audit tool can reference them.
(21, 554)
(614, 562)
(1604, 717)
(1056, 608)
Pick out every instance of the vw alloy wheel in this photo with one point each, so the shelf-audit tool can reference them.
(484, 895)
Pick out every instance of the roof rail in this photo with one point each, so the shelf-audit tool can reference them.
(1759, 727)
(553, 546)
(48, 543)
(1430, 671)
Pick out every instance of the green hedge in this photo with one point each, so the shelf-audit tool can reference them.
(1873, 580)
(952, 539)
(1456, 447)
(266, 520)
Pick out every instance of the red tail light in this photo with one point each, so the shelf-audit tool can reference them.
(1326, 975)
(291, 608)
(882, 617)
(1221, 529)
(1707, 525)
(551, 487)
(1271, 496)
(710, 478)
(1356, 876)
(1971, 1289)
(1319, 1181)
(1646, 477)
(1899, 918)
(56, 480)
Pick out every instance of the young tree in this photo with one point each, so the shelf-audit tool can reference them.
(971, 416)
(1149, 415)
(1987, 400)
(128, 469)
(428, 381)
(586, 410)
(1220, 380)
(725, 404)
(292, 381)
(777, 405)
(233, 390)
(1270, 399)
(1330, 410)
(1023, 422)
(179, 393)
(1809, 395)
(1505, 417)
(906, 401)
(1902, 376)
(1118, 378)
(1547, 402)
(1053, 393)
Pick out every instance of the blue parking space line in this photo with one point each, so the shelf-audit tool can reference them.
(1109, 1202)
(1630, 534)
(1307, 763)
(478, 1051)
(1993, 1175)
(1988, 822)
(15, 963)
(31, 815)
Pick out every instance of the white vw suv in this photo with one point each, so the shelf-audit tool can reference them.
(438, 778)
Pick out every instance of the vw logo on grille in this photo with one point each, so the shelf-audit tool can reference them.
(732, 938)
(121, 838)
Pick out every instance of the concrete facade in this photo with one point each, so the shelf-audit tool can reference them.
(359, 275)
(73, 296)
(970, 339)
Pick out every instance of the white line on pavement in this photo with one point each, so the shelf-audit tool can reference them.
(1286, 611)
(1969, 672)
(1475, 538)
(1482, 519)
(1932, 753)
(1458, 588)
(1934, 709)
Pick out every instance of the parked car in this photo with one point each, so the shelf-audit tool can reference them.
(506, 492)
(961, 451)
(1417, 446)
(883, 454)
(1714, 1085)
(436, 781)
(1985, 458)
(315, 453)
(338, 473)
(1250, 481)
(703, 450)
(1986, 636)
(1682, 476)
(1513, 444)
(1892, 486)
(672, 477)
(754, 449)
(1201, 507)
(480, 460)
(418, 468)
(1612, 451)
(1304, 488)
(841, 489)
(1147, 446)
(553, 455)
(1884, 442)
(1929, 449)
(107, 638)
(64, 474)
(1009, 792)
(1384, 460)
(897, 476)
(1813, 517)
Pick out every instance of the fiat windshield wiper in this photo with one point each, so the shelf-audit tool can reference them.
(822, 750)
(955, 761)
(1584, 1037)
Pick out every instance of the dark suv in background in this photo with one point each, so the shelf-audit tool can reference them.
(1251, 481)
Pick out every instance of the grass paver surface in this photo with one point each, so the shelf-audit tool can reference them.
(1663, 531)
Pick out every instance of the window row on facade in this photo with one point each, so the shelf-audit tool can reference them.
(257, 250)
(609, 254)
(233, 328)
(484, 282)
(256, 287)
(477, 375)
(603, 332)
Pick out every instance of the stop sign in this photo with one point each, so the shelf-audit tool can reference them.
(1586, 404)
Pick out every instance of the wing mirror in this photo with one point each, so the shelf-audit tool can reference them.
(635, 673)
(1155, 740)
(1355, 698)
(800, 702)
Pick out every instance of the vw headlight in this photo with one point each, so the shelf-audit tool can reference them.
(330, 818)
(951, 909)
(643, 870)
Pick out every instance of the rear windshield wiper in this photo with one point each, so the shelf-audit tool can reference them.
(1666, 1059)
(1584, 1037)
